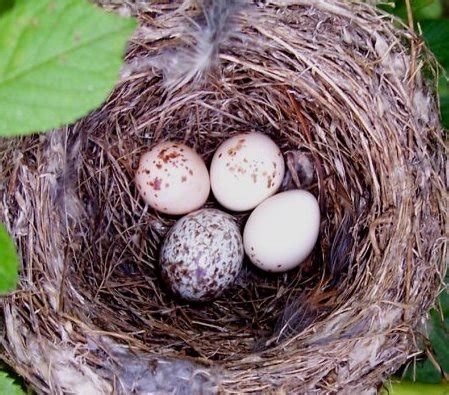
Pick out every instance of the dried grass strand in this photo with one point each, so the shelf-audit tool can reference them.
(340, 87)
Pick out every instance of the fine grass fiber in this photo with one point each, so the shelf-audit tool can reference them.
(339, 86)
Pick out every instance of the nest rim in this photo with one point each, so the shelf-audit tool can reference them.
(338, 151)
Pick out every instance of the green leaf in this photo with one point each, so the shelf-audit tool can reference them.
(421, 9)
(444, 302)
(9, 263)
(59, 59)
(408, 388)
(432, 11)
(443, 88)
(438, 332)
(423, 372)
(8, 386)
(436, 34)
(444, 101)
(5, 5)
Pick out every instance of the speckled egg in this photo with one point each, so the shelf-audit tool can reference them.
(246, 169)
(202, 255)
(173, 179)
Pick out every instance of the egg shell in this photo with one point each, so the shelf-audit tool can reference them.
(245, 170)
(282, 231)
(202, 255)
(172, 178)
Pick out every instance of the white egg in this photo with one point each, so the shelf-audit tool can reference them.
(282, 231)
(245, 170)
(202, 255)
(172, 178)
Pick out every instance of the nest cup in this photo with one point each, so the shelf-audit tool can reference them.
(340, 87)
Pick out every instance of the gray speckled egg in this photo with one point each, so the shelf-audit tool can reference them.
(202, 255)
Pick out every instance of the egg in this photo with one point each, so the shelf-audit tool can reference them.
(173, 179)
(202, 255)
(245, 170)
(282, 231)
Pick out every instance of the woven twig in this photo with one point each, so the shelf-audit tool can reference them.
(333, 83)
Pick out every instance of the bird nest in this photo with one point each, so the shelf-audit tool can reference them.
(340, 87)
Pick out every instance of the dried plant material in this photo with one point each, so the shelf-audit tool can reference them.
(300, 170)
(332, 79)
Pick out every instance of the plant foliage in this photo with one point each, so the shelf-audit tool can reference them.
(9, 263)
(8, 386)
(58, 60)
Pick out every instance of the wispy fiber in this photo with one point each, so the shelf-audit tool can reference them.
(333, 83)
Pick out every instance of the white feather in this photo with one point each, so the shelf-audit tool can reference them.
(203, 38)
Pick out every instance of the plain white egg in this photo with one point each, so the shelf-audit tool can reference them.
(246, 169)
(172, 178)
(282, 231)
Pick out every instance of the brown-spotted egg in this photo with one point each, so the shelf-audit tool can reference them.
(245, 170)
(172, 178)
(202, 255)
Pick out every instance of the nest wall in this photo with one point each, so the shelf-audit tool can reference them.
(341, 88)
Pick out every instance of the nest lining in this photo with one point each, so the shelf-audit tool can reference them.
(335, 85)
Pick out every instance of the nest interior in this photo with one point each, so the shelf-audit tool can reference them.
(340, 88)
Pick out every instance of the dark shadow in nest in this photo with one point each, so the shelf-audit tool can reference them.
(116, 258)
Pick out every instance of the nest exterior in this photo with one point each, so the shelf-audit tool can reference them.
(340, 87)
